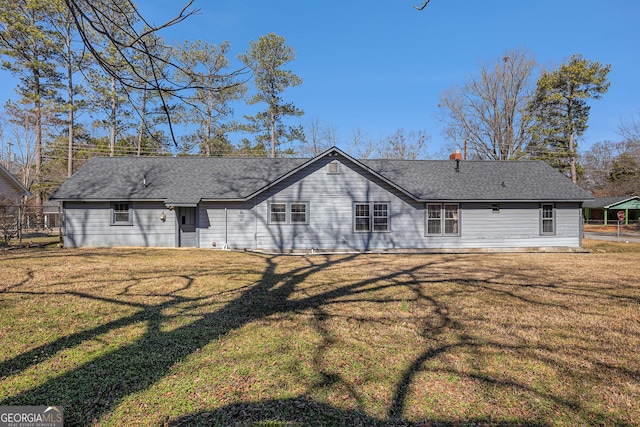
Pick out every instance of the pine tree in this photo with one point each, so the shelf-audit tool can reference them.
(560, 111)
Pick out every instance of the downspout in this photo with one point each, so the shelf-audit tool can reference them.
(581, 222)
(60, 222)
(255, 231)
(20, 222)
(226, 229)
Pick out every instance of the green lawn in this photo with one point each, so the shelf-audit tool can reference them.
(194, 337)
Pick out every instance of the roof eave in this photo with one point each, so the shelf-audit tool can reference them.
(222, 200)
(97, 199)
(621, 201)
(448, 200)
(14, 181)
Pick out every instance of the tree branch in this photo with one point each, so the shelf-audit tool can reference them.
(424, 4)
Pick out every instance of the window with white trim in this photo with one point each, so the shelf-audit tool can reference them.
(547, 219)
(278, 213)
(362, 217)
(121, 213)
(443, 219)
(371, 216)
(380, 217)
(434, 219)
(451, 219)
(298, 213)
(289, 213)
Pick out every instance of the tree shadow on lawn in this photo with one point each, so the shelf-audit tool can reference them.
(95, 388)
(300, 411)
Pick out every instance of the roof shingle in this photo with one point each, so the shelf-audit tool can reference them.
(182, 180)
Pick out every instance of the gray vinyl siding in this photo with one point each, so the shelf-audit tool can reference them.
(516, 225)
(232, 224)
(331, 198)
(8, 189)
(88, 224)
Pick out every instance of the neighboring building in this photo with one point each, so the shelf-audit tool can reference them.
(604, 210)
(10, 187)
(11, 193)
(332, 202)
(51, 212)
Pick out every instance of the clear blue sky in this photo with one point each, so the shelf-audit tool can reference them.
(381, 65)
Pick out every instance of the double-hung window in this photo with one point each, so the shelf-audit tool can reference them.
(121, 213)
(380, 217)
(451, 219)
(289, 213)
(547, 219)
(298, 213)
(362, 217)
(434, 219)
(443, 219)
(278, 213)
(371, 216)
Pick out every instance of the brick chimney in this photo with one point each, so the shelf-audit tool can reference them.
(456, 155)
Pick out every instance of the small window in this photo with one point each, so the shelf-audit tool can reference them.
(299, 213)
(278, 213)
(121, 213)
(547, 219)
(334, 168)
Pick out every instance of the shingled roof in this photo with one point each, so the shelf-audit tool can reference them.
(187, 180)
(607, 202)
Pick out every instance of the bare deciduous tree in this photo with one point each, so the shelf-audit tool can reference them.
(630, 129)
(403, 145)
(317, 139)
(488, 111)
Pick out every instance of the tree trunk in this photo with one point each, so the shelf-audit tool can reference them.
(71, 112)
(112, 139)
(37, 107)
(207, 148)
(273, 135)
(572, 158)
(142, 119)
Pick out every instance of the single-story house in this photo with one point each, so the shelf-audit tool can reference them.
(10, 187)
(331, 202)
(11, 193)
(604, 210)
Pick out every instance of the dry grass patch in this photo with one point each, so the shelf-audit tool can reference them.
(167, 337)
